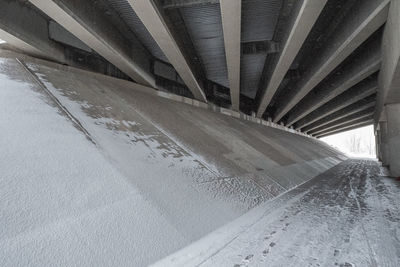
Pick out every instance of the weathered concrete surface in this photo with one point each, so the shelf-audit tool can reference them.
(339, 115)
(393, 138)
(389, 76)
(361, 91)
(62, 201)
(347, 126)
(197, 168)
(231, 11)
(347, 119)
(384, 142)
(347, 216)
(93, 28)
(305, 15)
(351, 75)
(365, 19)
(157, 24)
(28, 31)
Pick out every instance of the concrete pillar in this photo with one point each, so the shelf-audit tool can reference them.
(378, 144)
(393, 138)
(384, 143)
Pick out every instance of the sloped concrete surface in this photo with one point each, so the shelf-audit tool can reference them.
(62, 202)
(96, 171)
(347, 216)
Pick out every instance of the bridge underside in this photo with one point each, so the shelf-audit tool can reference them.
(188, 114)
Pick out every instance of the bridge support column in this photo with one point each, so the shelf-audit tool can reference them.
(383, 143)
(393, 138)
(378, 144)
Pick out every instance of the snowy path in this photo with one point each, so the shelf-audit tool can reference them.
(348, 216)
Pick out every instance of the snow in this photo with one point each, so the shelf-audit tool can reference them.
(358, 143)
(163, 169)
(94, 174)
(348, 216)
(61, 201)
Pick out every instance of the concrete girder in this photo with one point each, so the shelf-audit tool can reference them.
(355, 29)
(231, 24)
(344, 120)
(389, 76)
(305, 16)
(157, 24)
(356, 126)
(351, 74)
(59, 34)
(93, 28)
(340, 114)
(346, 126)
(27, 30)
(360, 91)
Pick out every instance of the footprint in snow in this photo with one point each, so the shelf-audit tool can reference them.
(248, 257)
(336, 252)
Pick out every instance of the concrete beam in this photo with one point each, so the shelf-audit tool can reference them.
(305, 16)
(231, 24)
(360, 91)
(365, 19)
(170, 4)
(61, 35)
(346, 127)
(364, 65)
(367, 123)
(24, 28)
(157, 24)
(347, 119)
(340, 114)
(389, 76)
(393, 138)
(92, 27)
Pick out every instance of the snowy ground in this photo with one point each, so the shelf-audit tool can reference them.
(348, 216)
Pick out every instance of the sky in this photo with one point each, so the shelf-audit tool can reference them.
(357, 143)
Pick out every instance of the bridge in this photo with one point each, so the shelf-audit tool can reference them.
(180, 97)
